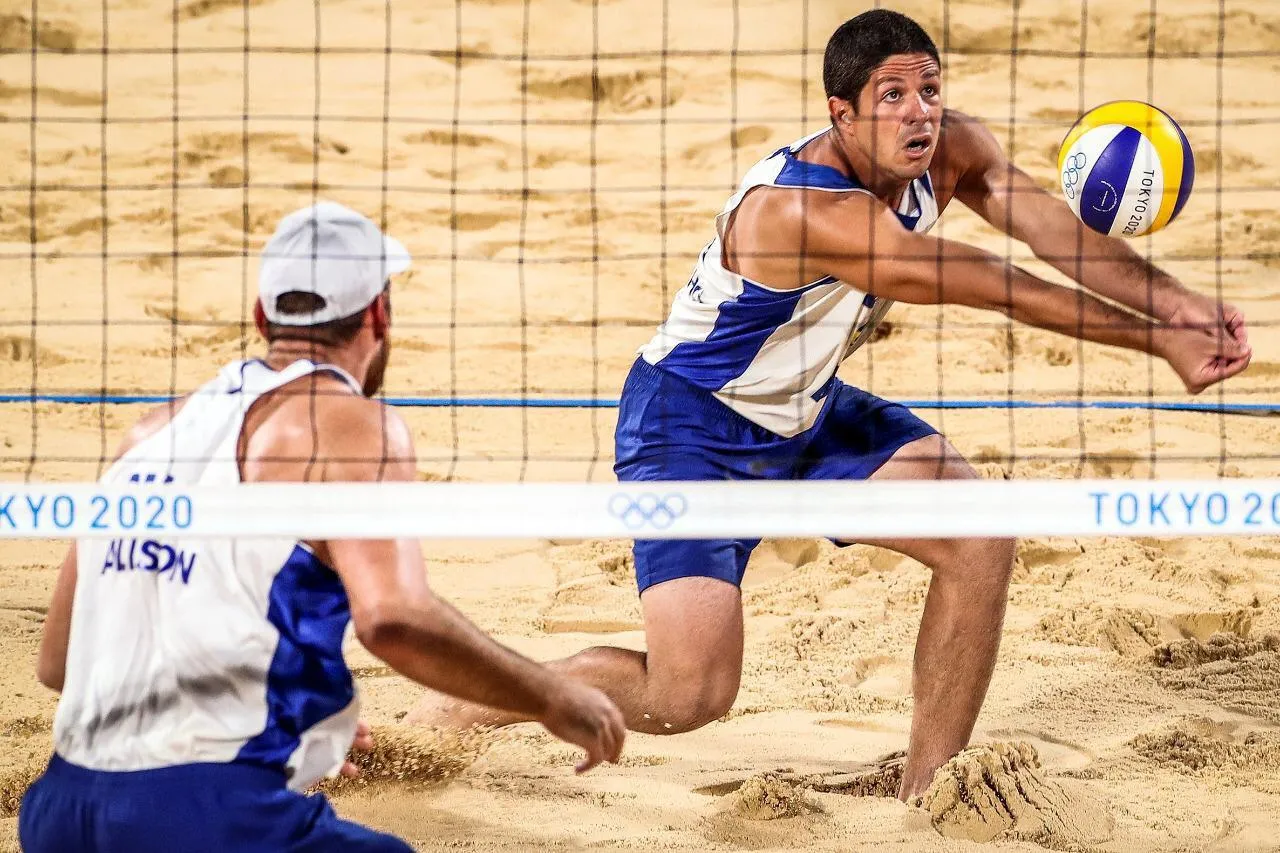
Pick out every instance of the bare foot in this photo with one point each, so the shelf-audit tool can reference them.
(439, 709)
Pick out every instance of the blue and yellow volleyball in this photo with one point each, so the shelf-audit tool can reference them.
(1126, 169)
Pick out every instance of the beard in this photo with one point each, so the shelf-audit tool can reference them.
(377, 369)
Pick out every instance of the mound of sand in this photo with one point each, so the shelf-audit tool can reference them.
(1135, 633)
(769, 797)
(1230, 671)
(1000, 792)
(1201, 746)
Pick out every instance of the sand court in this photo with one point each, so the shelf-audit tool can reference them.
(554, 168)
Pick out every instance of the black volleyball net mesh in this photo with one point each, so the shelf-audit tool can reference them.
(554, 169)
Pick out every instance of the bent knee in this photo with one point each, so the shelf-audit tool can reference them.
(693, 707)
(987, 559)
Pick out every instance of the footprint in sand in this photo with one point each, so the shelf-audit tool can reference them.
(880, 675)
(624, 92)
(201, 148)
(879, 778)
(1231, 671)
(18, 348)
(749, 137)
(15, 34)
(1057, 751)
(1198, 34)
(446, 139)
(1237, 749)
(862, 725)
(1133, 633)
(204, 8)
(62, 97)
(595, 590)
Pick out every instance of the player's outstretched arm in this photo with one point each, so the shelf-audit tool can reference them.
(887, 260)
(1011, 201)
(399, 619)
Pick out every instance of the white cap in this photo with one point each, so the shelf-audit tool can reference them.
(331, 251)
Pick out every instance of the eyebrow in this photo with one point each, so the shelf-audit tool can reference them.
(932, 70)
(933, 73)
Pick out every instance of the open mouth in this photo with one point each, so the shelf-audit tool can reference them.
(918, 145)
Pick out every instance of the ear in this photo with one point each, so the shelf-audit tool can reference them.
(842, 111)
(380, 316)
(260, 318)
(835, 108)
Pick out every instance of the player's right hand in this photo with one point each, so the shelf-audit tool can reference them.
(587, 718)
(1204, 355)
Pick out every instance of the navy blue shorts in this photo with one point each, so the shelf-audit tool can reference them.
(669, 429)
(193, 808)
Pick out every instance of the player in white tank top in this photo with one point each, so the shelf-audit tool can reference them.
(206, 682)
(738, 383)
(762, 351)
(203, 682)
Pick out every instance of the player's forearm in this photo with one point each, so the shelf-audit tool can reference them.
(441, 649)
(964, 275)
(1109, 267)
(1077, 314)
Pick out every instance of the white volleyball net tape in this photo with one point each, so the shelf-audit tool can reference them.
(665, 510)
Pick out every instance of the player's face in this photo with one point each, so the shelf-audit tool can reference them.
(899, 113)
(377, 371)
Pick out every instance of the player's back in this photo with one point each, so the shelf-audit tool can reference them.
(208, 650)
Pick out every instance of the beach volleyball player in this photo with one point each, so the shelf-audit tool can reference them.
(203, 682)
(739, 382)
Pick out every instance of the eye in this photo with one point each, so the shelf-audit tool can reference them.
(930, 91)
(892, 95)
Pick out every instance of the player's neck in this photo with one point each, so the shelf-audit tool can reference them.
(282, 353)
(855, 163)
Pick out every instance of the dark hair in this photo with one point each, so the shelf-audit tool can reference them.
(334, 333)
(862, 43)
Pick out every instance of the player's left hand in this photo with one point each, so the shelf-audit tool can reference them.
(363, 742)
(1201, 356)
(1198, 311)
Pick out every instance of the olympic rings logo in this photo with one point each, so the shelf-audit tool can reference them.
(647, 510)
(1071, 173)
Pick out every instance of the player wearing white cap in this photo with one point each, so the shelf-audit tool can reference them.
(203, 682)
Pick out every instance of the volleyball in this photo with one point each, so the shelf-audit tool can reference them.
(1126, 169)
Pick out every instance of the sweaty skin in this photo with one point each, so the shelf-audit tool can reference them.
(787, 237)
(315, 429)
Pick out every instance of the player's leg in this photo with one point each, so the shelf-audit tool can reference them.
(689, 672)
(866, 437)
(959, 637)
(687, 676)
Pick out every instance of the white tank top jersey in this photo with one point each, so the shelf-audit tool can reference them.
(770, 354)
(207, 650)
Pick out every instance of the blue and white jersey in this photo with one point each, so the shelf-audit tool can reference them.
(766, 353)
(207, 650)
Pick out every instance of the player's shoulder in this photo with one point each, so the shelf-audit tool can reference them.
(326, 431)
(347, 419)
(966, 141)
(151, 423)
